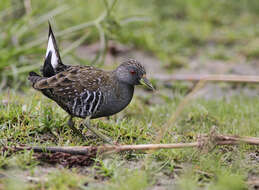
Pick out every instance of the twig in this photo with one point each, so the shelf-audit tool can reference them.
(86, 150)
(235, 139)
(207, 77)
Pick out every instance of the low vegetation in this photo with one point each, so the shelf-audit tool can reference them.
(37, 121)
(176, 32)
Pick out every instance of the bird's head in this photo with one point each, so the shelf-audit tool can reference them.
(133, 73)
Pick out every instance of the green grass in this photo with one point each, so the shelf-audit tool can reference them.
(174, 31)
(37, 121)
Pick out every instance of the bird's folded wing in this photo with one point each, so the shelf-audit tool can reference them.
(74, 81)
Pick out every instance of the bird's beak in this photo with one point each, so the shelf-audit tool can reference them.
(145, 81)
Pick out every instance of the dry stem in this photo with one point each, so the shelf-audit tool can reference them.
(206, 77)
(86, 150)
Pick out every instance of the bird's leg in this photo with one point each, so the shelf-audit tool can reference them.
(97, 133)
(71, 124)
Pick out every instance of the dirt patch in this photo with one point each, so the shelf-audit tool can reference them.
(65, 159)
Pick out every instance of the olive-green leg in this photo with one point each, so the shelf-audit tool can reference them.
(97, 133)
(71, 124)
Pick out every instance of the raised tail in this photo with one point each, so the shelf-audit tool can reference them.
(53, 63)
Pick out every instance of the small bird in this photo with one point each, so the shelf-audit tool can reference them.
(85, 91)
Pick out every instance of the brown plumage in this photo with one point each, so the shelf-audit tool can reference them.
(73, 81)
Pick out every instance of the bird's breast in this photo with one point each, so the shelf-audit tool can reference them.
(115, 100)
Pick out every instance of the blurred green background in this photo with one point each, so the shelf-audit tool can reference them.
(174, 31)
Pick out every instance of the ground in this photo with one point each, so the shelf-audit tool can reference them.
(174, 37)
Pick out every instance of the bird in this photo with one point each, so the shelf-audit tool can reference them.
(87, 92)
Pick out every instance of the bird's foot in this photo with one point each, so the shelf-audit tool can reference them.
(71, 124)
(99, 134)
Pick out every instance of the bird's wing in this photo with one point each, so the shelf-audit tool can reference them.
(75, 81)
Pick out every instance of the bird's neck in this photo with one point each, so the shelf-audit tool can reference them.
(121, 96)
(124, 91)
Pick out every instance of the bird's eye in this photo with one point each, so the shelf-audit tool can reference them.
(132, 72)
